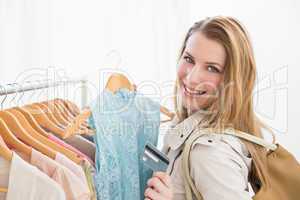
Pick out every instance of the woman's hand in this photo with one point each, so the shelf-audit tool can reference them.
(159, 187)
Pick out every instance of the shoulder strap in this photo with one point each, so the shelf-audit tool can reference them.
(189, 185)
(251, 138)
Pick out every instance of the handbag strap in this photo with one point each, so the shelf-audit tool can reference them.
(189, 185)
(250, 138)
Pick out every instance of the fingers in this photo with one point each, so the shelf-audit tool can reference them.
(157, 185)
(164, 177)
(152, 194)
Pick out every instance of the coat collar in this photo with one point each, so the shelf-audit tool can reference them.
(179, 132)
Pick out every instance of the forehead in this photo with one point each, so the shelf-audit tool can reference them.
(204, 49)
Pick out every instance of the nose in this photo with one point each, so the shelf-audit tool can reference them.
(194, 76)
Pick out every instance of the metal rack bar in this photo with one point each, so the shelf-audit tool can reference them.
(41, 84)
(35, 85)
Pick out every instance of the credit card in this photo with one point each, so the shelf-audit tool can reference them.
(155, 159)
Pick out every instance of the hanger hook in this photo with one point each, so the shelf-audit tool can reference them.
(32, 93)
(46, 89)
(36, 88)
(3, 100)
(116, 57)
(22, 94)
(42, 89)
(11, 84)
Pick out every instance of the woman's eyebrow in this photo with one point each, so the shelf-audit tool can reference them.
(208, 63)
(189, 54)
(213, 63)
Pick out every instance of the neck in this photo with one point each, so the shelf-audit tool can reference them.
(191, 112)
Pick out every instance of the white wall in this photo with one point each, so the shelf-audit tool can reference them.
(138, 36)
(142, 38)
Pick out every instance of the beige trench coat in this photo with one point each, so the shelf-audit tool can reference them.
(220, 163)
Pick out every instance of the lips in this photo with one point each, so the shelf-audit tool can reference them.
(191, 92)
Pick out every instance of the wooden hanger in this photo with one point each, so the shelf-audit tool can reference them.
(50, 148)
(32, 121)
(69, 118)
(43, 120)
(43, 135)
(72, 107)
(73, 129)
(55, 112)
(11, 140)
(117, 81)
(49, 113)
(67, 115)
(32, 132)
(78, 124)
(20, 130)
(5, 152)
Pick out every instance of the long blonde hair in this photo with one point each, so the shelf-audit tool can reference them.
(234, 107)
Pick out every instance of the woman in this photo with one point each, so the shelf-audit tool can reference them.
(215, 80)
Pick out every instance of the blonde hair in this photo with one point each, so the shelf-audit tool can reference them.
(234, 107)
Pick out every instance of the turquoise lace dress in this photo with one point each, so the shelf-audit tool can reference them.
(124, 122)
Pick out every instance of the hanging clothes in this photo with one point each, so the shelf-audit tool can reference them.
(40, 165)
(124, 121)
(25, 181)
(84, 149)
(73, 167)
(90, 172)
(85, 146)
(70, 147)
(83, 171)
(73, 187)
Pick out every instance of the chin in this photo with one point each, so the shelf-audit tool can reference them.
(192, 105)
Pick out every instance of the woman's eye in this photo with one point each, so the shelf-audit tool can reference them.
(214, 69)
(188, 59)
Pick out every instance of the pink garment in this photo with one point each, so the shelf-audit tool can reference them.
(76, 169)
(71, 148)
(25, 181)
(73, 187)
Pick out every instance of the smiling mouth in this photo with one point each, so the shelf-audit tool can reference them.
(191, 92)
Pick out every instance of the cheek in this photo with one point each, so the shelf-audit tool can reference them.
(212, 85)
(182, 70)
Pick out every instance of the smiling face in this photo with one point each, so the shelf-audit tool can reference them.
(200, 71)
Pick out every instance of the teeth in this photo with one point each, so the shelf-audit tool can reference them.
(193, 92)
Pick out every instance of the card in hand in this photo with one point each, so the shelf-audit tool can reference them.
(155, 159)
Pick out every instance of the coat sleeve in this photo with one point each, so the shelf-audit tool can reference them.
(219, 170)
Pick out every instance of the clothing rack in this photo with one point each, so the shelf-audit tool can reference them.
(13, 88)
